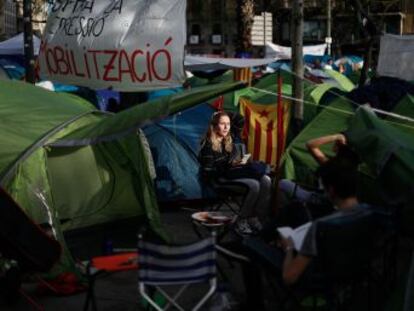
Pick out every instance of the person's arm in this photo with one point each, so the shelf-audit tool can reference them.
(293, 265)
(313, 146)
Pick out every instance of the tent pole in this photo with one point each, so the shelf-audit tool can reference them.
(29, 60)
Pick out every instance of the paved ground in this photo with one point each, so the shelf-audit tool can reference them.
(118, 291)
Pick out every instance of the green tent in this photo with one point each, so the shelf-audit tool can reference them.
(298, 164)
(385, 146)
(71, 166)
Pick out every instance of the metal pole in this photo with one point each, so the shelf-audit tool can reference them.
(328, 38)
(297, 63)
(28, 41)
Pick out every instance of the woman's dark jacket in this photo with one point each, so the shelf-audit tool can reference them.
(213, 163)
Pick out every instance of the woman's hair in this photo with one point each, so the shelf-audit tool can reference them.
(213, 137)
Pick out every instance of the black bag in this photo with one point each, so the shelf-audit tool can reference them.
(254, 170)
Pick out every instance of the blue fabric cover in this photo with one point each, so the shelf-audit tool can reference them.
(175, 144)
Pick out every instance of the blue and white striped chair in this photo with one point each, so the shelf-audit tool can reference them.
(164, 265)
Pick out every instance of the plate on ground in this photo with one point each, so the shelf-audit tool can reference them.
(212, 218)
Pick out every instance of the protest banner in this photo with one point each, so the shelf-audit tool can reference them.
(124, 45)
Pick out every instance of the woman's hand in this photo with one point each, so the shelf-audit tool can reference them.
(236, 163)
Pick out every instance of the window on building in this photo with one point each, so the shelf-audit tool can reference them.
(197, 6)
(314, 30)
(216, 34)
(217, 8)
(195, 34)
(286, 31)
(216, 29)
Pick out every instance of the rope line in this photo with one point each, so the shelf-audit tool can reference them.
(305, 101)
(379, 111)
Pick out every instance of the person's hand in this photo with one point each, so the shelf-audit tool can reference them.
(286, 243)
(236, 163)
(340, 140)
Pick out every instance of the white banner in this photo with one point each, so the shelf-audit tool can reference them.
(396, 57)
(125, 45)
(285, 52)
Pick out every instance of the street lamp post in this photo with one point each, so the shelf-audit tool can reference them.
(28, 41)
(297, 63)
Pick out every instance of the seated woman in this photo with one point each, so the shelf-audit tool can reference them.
(217, 157)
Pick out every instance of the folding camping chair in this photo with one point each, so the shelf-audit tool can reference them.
(163, 265)
(229, 194)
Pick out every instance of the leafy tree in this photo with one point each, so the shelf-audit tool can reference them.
(245, 17)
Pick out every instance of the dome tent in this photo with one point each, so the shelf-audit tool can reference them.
(64, 161)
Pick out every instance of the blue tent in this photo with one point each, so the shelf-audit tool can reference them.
(174, 144)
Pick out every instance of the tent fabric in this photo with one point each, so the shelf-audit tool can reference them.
(382, 93)
(13, 69)
(129, 120)
(15, 45)
(175, 143)
(276, 51)
(195, 81)
(4, 74)
(81, 185)
(29, 122)
(298, 164)
(345, 84)
(386, 149)
(195, 63)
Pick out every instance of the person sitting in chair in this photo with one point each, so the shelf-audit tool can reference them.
(221, 164)
(342, 152)
(278, 253)
(339, 182)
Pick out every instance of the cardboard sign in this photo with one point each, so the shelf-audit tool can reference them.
(125, 45)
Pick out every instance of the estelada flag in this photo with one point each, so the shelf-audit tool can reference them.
(261, 129)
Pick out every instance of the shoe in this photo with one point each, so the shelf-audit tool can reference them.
(243, 227)
(255, 224)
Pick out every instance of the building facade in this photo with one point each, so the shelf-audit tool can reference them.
(390, 16)
(212, 24)
(212, 27)
(8, 19)
(39, 15)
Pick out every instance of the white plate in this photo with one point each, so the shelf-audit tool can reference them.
(200, 216)
(207, 218)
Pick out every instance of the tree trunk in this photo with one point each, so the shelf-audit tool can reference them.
(297, 63)
(29, 60)
(245, 17)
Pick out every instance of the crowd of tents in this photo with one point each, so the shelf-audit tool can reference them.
(70, 164)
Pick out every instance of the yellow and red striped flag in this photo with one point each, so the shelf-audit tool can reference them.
(243, 74)
(261, 129)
